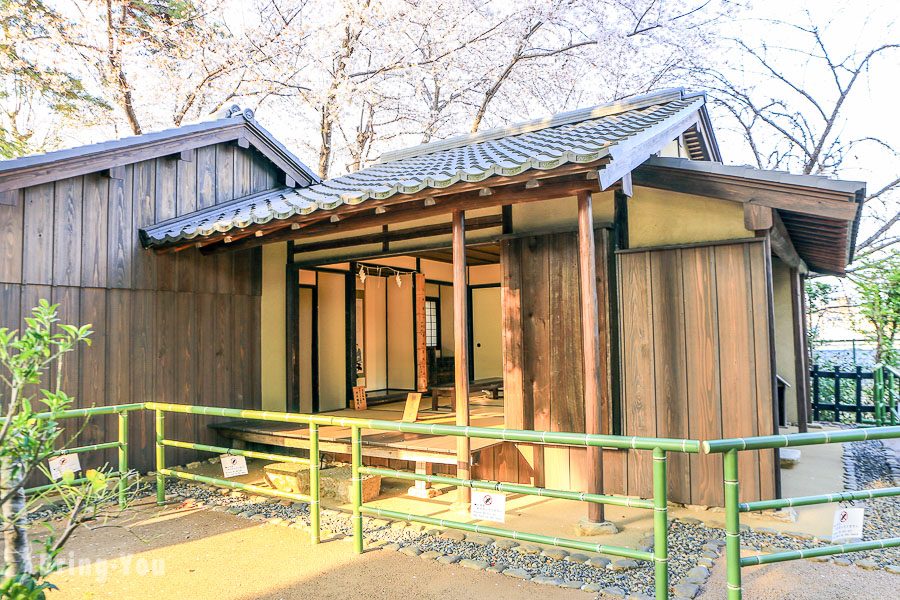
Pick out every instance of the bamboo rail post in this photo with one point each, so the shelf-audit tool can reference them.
(732, 525)
(123, 457)
(314, 483)
(160, 457)
(356, 484)
(660, 525)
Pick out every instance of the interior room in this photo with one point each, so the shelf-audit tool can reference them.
(384, 326)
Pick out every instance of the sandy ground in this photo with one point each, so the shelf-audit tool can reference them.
(198, 554)
(202, 554)
(804, 580)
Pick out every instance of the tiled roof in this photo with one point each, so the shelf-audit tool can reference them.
(582, 136)
(232, 124)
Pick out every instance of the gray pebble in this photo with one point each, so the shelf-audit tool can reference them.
(577, 558)
(622, 564)
(868, 564)
(545, 580)
(598, 562)
(688, 590)
(517, 573)
(478, 565)
(479, 540)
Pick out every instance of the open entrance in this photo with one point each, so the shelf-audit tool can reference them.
(373, 330)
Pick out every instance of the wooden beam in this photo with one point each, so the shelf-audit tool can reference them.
(783, 247)
(514, 194)
(620, 220)
(397, 235)
(627, 187)
(784, 197)
(757, 218)
(801, 368)
(242, 142)
(102, 157)
(461, 352)
(590, 342)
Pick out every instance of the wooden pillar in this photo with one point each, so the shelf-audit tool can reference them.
(590, 339)
(801, 366)
(461, 351)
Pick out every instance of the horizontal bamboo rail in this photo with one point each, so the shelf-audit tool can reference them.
(534, 538)
(659, 447)
(733, 508)
(765, 559)
(235, 451)
(235, 485)
(820, 499)
(488, 433)
(121, 445)
(511, 488)
(801, 439)
(313, 461)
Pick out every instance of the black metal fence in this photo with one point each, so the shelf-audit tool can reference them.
(842, 396)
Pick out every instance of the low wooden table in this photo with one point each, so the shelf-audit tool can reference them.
(438, 392)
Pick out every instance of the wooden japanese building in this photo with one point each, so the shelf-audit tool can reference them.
(602, 267)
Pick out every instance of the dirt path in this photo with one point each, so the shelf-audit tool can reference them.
(202, 554)
(804, 580)
(199, 554)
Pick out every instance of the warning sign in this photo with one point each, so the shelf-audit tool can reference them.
(488, 507)
(232, 466)
(63, 464)
(848, 525)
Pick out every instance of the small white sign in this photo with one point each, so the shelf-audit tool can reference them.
(848, 525)
(63, 463)
(232, 466)
(488, 507)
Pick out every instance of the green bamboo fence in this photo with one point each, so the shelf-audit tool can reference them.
(730, 448)
(120, 445)
(658, 446)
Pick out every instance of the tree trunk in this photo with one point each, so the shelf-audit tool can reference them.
(17, 550)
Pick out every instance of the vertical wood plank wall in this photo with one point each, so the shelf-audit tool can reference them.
(543, 377)
(176, 327)
(695, 362)
(694, 353)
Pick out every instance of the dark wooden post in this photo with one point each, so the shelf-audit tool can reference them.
(461, 351)
(590, 339)
(801, 367)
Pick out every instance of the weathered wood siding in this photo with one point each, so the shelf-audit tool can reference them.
(694, 356)
(175, 327)
(696, 362)
(543, 374)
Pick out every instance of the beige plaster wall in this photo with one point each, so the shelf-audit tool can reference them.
(332, 342)
(272, 328)
(663, 218)
(784, 335)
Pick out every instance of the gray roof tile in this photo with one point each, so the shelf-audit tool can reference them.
(582, 136)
